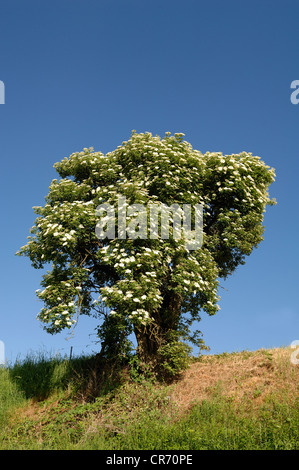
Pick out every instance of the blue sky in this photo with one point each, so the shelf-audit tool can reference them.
(82, 73)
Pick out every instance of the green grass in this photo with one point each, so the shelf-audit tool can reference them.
(10, 396)
(53, 403)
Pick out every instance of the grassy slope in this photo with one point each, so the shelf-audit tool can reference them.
(245, 400)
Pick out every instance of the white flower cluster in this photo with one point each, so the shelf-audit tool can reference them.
(140, 316)
(58, 317)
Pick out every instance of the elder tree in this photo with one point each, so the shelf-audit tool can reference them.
(153, 287)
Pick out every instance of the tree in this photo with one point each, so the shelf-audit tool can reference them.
(145, 284)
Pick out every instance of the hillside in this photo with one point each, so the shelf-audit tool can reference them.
(240, 376)
(246, 400)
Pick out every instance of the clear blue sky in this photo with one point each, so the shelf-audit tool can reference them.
(81, 73)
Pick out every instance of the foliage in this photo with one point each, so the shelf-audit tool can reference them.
(175, 357)
(151, 287)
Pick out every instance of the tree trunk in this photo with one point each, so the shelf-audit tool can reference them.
(151, 337)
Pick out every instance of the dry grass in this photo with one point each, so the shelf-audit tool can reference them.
(252, 375)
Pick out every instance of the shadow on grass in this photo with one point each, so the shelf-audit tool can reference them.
(39, 376)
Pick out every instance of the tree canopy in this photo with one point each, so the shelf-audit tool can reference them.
(153, 287)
